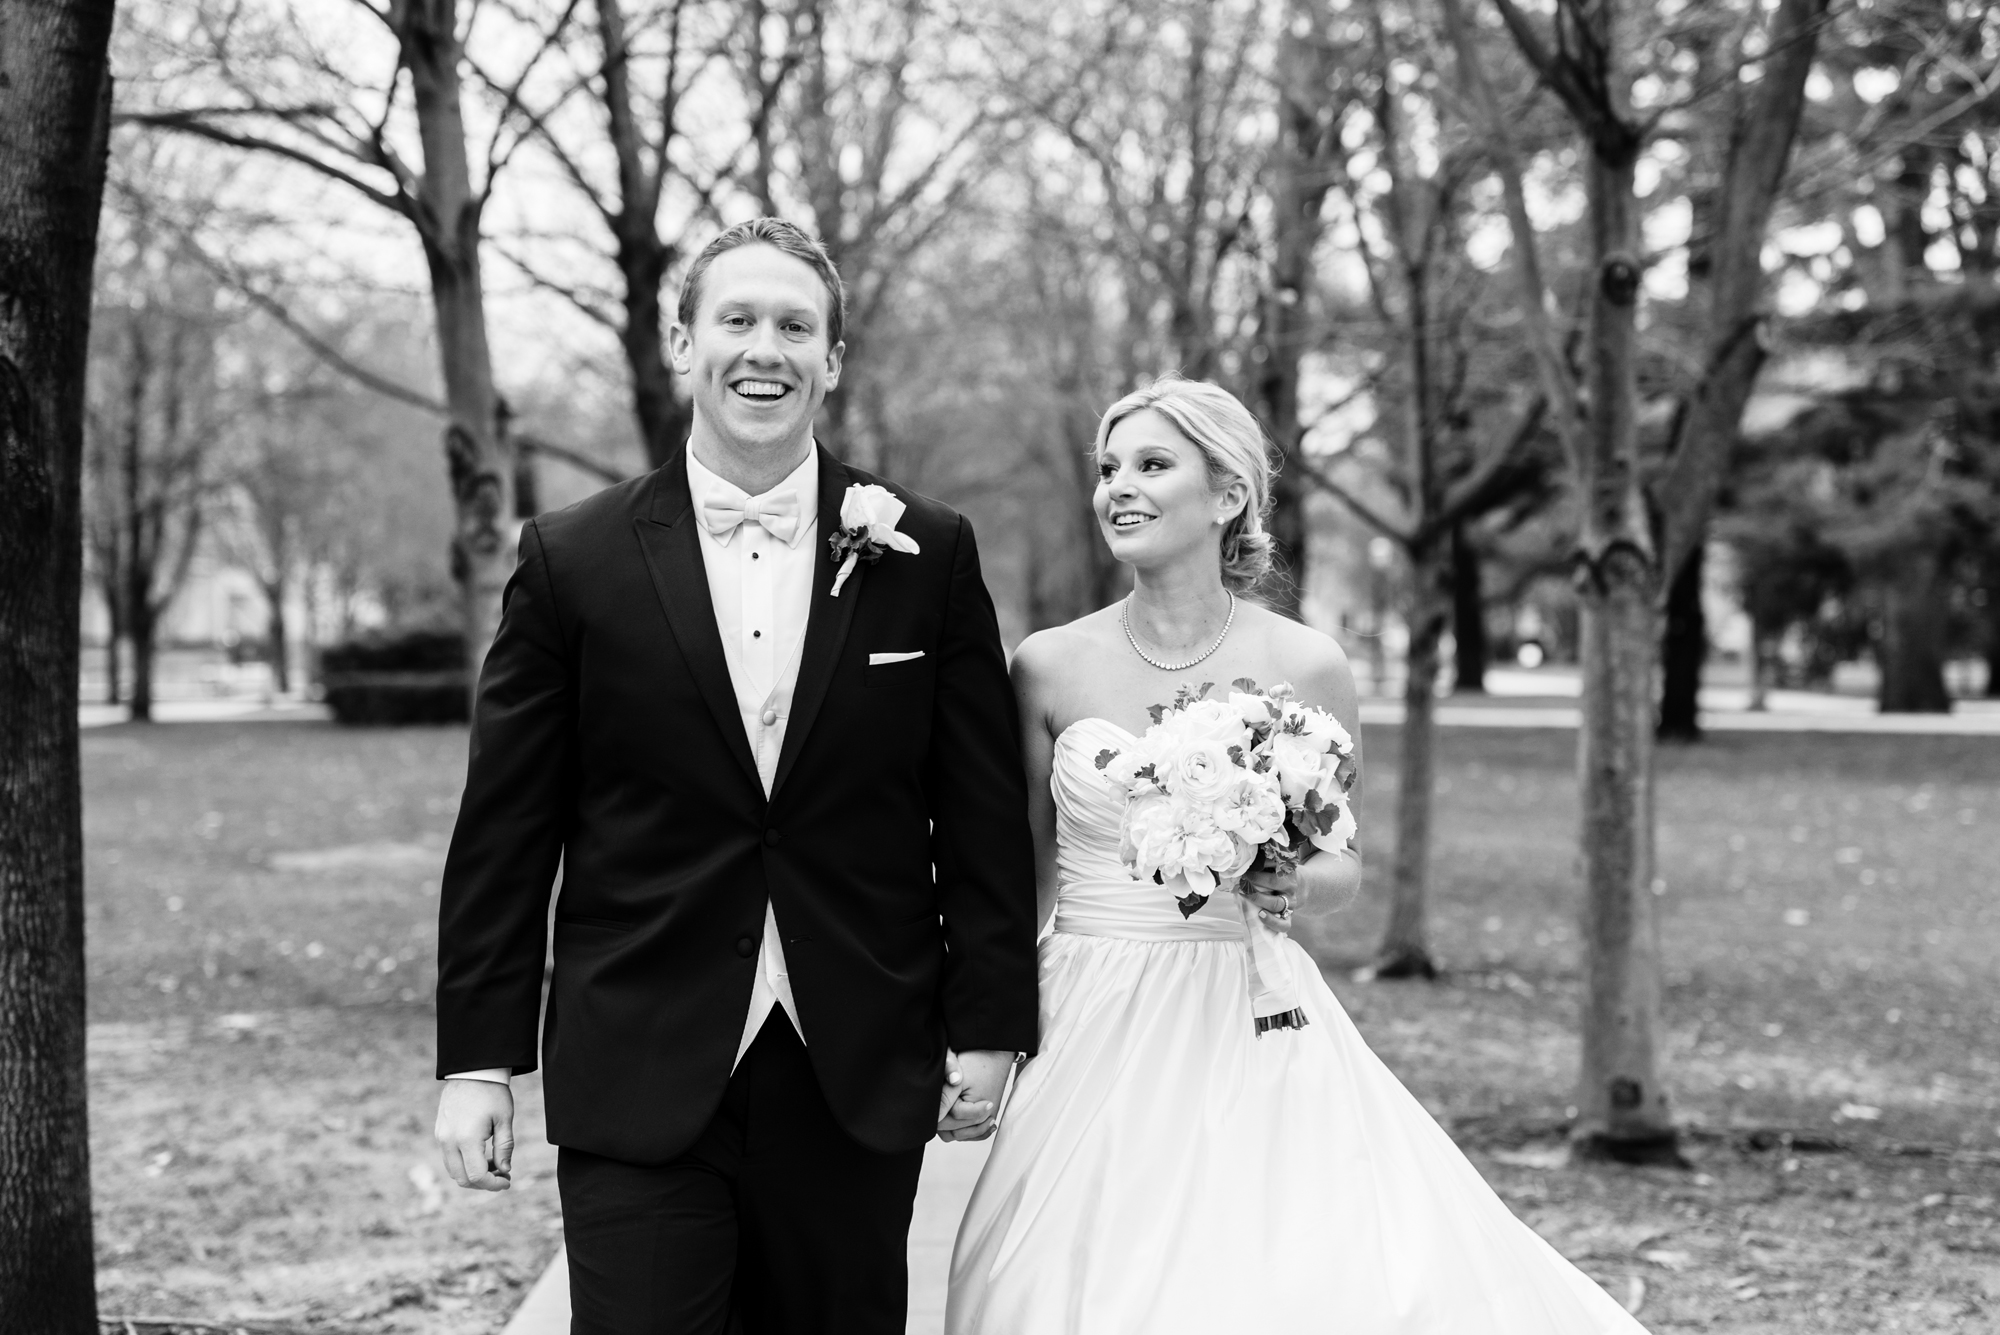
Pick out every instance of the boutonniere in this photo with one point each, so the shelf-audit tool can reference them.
(868, 518)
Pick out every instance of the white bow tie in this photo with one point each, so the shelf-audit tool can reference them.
(777, 511)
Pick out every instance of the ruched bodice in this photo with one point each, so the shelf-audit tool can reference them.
(1098, 894)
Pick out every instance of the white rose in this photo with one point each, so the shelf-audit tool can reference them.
(1256, 711)
(877, 510)
(1300, 765)
(1213, 721)
(1343, 831)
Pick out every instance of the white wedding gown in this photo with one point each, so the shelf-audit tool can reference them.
(1160, 1169)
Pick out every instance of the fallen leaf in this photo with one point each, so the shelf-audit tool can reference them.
(430, 1195)
(1635, 1294)
(1668, 1260)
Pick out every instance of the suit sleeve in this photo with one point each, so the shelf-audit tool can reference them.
(493, 916)
(980, 843)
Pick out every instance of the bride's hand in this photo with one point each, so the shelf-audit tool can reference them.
(1275, 894)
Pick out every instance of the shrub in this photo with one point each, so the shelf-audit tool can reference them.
(397, 677)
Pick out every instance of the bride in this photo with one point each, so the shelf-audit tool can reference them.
(1161, 1169)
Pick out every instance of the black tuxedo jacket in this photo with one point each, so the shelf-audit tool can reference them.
(894, 846)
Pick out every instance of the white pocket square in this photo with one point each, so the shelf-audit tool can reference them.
(877, 660)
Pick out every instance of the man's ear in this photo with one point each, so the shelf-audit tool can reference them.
(833, 356)
(680, 347)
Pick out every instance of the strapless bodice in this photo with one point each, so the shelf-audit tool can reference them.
(1098, 895)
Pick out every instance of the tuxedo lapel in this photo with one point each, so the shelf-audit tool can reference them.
(670, 538)
(826, 624)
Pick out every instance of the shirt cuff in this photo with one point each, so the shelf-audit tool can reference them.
(498, 1075)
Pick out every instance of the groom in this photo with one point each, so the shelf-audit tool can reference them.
(791, 824)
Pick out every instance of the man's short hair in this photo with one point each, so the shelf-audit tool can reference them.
(781, 235)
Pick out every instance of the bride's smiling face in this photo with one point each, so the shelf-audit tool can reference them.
(1153, 500)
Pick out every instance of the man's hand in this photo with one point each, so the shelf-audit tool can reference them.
(475, 1132)
(981, 1077)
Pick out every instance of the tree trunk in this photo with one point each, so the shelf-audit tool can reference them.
(643, 258)
(1683, 651)
(449, 216)
(1912, 649)
(1992, 591)
(1621, 1100)
(276, 633)
(1298, 190)
(142, 628)
(55, 100)
(1405, 949)
(113, 678)
(1468, 617)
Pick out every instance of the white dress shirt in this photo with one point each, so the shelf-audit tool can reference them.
(761, 589)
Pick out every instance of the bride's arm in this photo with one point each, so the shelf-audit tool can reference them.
(1030, 671)
(1322, 678)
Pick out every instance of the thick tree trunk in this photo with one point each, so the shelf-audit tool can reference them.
(142, 627)
(1683, 652)
(1405, 949)
(1992, 591)
(55, 101)
(1912, 649)
(448, 208)
(1621, 1100)
(1468, 617)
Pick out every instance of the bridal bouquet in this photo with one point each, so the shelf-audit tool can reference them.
(1216, 787)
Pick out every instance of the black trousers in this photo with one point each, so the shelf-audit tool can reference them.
(775, 1222)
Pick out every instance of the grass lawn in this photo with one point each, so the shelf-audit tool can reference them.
(262, 904)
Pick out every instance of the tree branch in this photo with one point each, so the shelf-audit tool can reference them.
(198, 125)
(1368, 514)
(1558, 383)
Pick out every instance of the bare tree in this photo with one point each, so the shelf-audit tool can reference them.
(1619, 556)
(1312, 93)
(157, 403)
(1399, 168)
(303, 108)
(883, 146)
(653, 67)
(55, 95)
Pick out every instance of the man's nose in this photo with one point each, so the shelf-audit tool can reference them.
(764, 344)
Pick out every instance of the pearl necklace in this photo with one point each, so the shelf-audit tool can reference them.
(1125, 620)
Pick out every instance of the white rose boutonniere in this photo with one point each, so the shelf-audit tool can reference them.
(868, 516)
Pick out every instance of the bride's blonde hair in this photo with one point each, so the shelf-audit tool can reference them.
(1233, 445)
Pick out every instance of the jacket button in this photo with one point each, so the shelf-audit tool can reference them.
(770, 838)
(744, 946)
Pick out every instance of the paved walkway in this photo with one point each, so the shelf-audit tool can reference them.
(949, 1172)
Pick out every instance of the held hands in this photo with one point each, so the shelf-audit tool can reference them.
(973, 1083)
(475, 1132)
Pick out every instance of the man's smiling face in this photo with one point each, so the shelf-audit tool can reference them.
(757, 355)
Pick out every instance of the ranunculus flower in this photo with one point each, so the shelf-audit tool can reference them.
(1203, 772)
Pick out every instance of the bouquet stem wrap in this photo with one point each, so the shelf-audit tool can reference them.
(1274, 995)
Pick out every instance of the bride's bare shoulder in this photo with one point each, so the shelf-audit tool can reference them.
(1049, 657)
(1311, 660)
